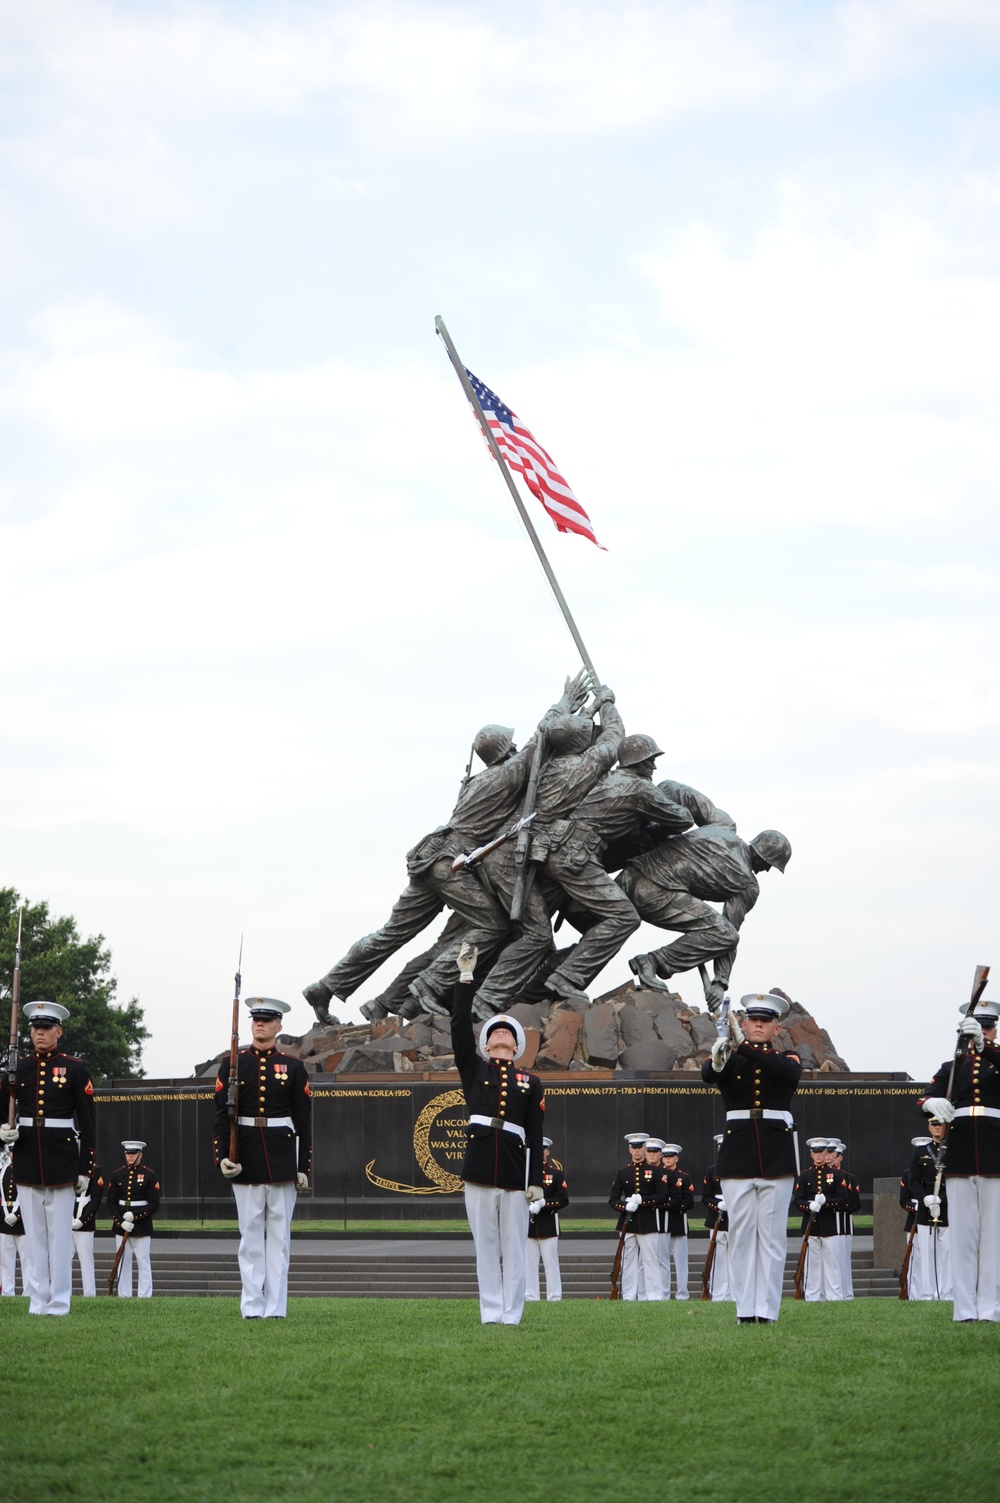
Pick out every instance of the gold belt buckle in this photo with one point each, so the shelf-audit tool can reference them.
(756, 1113)
(260, 1121)
(977, 1111)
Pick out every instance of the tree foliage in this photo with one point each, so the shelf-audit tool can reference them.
(58, 966)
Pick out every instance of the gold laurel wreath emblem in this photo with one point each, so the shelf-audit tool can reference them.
(443, 1181)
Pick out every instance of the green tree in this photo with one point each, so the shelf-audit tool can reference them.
(58, 966)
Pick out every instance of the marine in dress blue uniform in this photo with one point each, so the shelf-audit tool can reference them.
(85, 1209)
(543, 1230)
(133, 1201)
(11, 1230)
(934, 1280)
(822, 1194)
(845, 1218)
(757, 1159)
(973, 1164)
(502, 1166)
(717, 1214)
(638, 1193)
(52, 1153)
(274, 1120)
(674, 1220)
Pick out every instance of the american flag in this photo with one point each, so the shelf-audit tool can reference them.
(525, 454)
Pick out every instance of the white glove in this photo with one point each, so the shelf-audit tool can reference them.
(634, 1202)
(229, 1169)
(77, 1224)
(720, 1205)
(820, 1200)
(735, 1030)
(721, 1050)
(535, 1206)
(10, 1218)
(533, 1194)
(973, 1029)
(933, 1203)
(82, 1181)
(467, 957)
(817, 1204)
(9, 1134)
(128, 1221)
(940, 1107)
(301, 1181)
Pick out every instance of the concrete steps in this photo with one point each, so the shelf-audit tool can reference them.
(211, 1269)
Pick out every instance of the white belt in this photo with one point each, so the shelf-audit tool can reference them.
(757, 1111)
(977, 1111)
(46, 1122)
(133, 1203)
(265, 1122)
(513, 1127)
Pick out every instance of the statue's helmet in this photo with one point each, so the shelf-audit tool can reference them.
(637, 748)
(493, 743)
(570, 733)
(773, 847)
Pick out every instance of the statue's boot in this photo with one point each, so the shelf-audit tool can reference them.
(645, 973)
(565, 991)
(374, 1011)
(319, 996)
(427, 998)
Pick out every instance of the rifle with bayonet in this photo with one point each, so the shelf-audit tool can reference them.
(904, 1272)
(978, 987)
(233, 1087)
(616, 1267)
(706, 1273)
(800, 1267)
(15, 1008)
(116, 1265)
(468, 859)
(725, 1030)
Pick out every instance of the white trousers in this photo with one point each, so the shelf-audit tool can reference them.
(824, 1269)
(264, 1213)
(641, 1257)
(48, 1232)
(718, 1283)
(974, 1226)
(935, 1264)
(758, 1243)
(83, 1246)
(672, 1249)
(914, 1274)
(139, 1248)
(499, 1223)
(846, 1245)
(548, 1251)
(11, 1253)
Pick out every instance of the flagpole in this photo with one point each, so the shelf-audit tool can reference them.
(505, 471)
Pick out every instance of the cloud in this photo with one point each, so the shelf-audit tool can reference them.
(134, 112)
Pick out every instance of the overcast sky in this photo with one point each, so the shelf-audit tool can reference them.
(736, 264)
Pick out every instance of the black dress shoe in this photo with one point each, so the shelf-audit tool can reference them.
(746, 1320)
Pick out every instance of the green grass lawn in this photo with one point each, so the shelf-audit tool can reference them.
(592, 1225)
(385, 1400)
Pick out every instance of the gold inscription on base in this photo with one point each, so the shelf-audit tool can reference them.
(439, 1138)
